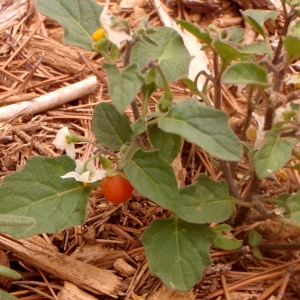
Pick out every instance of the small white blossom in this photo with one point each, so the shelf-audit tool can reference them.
(114, 36)
(88, 173)
(60, 142)
(260, 133)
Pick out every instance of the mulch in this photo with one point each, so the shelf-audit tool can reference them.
(104, 258)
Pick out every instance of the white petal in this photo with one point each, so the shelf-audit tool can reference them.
(71, 175)
(91, 166)
(114, 36)
(60, 140)
(117, 37)
(98, 175)
(84, 177)
(70, 150)
(79, 166)
(260, 139)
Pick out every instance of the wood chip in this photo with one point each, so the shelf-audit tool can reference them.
(58, 56)
(50, 100)
(123, 268)
(11, 12)
(38, 253)
(72, 292)
(165, 293)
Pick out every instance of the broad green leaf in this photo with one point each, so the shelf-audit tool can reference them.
(168, 145)
(233, 34)
(292, 40)
(227, 51)
(6, 296)
(11, 220)
(292, 46)
(254, 238)
(258, 48)
(203, 126)
(191, 85)
(256, 252)
(256, 18)
(138, 127)
(153, 177)
(177, 251)
(225, 240)
(9, 272)
(37, 191)
(293, 202)
(202, 35)
(173, 57)
(123, 86)
(245, 73)
(111, 129)
(78, 18)
(204, 201)
(272, 156)
(281, 201)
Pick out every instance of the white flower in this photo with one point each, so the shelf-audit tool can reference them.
(115, 37)
(60, 142)
(260, 133)
(88, 173)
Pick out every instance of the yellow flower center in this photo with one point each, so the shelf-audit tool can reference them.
(98, 35)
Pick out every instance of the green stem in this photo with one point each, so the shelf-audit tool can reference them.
(132, 148)
(100, 148)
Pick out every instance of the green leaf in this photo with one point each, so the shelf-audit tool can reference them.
(204, 126)
(202, 35)
(293, 202)
(11, 220)
(254, 238)
(123, 86)
(233, 34)
(245, 73)
(153, 177)
(168, 145)
(79, 19)
(272, 156)
(225, 240)
(281, 201)
(138, 127)
(6, 296)
(256, 252)
(112, 129)
(258, 48)
(191, 85)
(292, 40)
(204, 201)
(9, 272)
(170, 49)
(227, 51)
(256, 18)
(37, 191)
(177, 251)
(292, 46)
